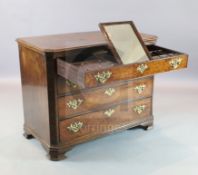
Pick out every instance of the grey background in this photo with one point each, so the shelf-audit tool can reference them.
(174, 21)
(170, 148)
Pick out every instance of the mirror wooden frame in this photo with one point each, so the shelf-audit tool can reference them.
(111, 45)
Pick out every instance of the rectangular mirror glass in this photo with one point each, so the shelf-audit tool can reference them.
(125, 42)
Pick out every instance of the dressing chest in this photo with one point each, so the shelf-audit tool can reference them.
(75, 91)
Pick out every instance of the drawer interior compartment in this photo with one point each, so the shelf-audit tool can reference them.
(96, 65)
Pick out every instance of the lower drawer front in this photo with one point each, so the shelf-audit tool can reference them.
(104, 121)
(68, 105)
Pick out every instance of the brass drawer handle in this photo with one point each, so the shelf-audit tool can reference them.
(71, 84)
(139, 109)
(142, 67)
(75, 127)
(140, 88)
(109, 112)
(175, 63)
(103, 77)
(110, 91)
(74, 104)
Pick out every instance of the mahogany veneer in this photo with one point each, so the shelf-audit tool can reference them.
(75, 91)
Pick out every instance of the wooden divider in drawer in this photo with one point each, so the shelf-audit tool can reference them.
(106, 120)
(65, 86)
(104, 96)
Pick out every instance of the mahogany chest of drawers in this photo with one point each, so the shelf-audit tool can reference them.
(74, 91)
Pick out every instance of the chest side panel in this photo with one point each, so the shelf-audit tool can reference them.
(34, 90)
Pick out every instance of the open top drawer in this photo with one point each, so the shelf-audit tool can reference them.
(100, 68)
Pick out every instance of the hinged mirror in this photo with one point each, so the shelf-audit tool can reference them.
(125, 42)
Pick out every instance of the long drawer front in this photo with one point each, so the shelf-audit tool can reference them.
(87, 101)
(135, 70)
(98, 72)
(105, 121)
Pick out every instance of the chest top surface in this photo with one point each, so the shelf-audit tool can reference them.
(64, 42)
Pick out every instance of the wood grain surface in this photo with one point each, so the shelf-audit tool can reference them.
(93, 99)
(97, 123)
(64, 42)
